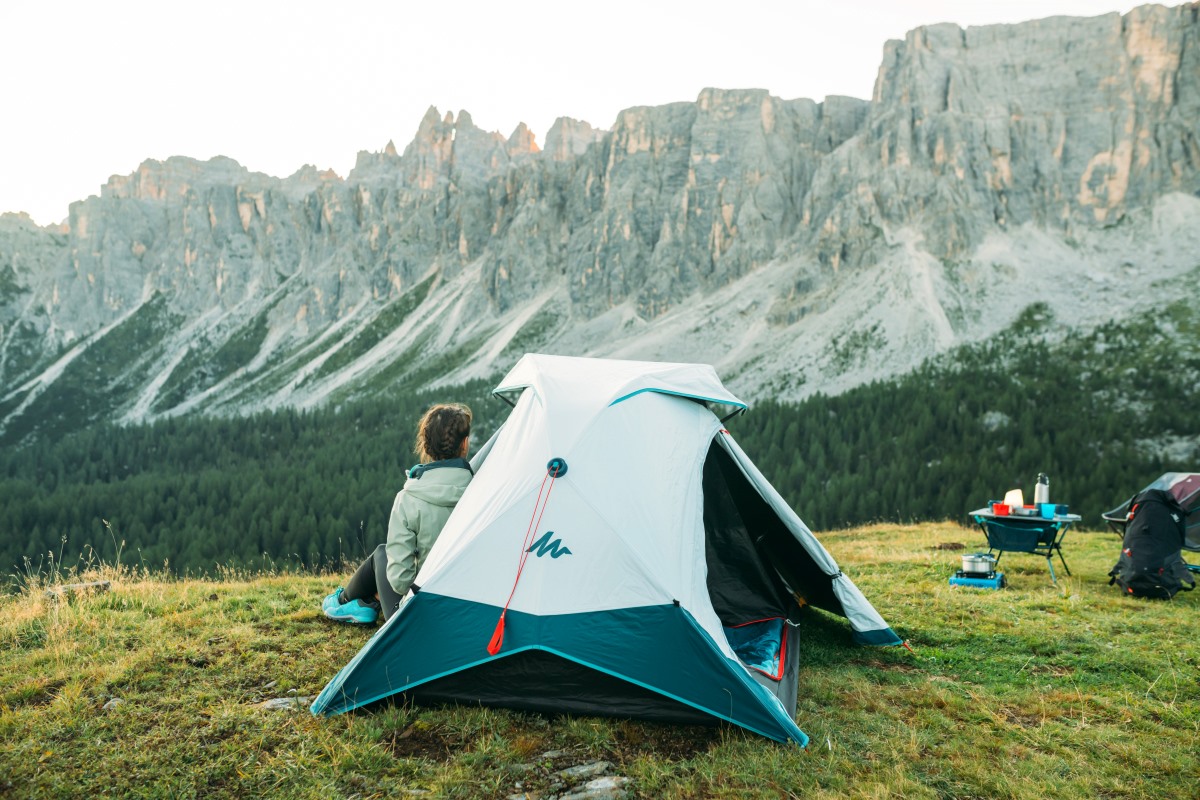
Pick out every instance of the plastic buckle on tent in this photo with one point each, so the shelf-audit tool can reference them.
(556, 467)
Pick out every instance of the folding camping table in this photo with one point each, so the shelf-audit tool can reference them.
(1040, 536)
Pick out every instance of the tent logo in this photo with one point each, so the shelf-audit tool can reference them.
(545, 545)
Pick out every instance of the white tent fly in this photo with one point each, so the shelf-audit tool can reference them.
(616, 553)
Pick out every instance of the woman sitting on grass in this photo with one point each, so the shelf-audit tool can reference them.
(421, 509)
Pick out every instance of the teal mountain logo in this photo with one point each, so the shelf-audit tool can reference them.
(546, 545)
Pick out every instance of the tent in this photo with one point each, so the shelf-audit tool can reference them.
(616, 554)
(1186, 488)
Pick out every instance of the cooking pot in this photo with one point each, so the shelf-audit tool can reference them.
(978, 562)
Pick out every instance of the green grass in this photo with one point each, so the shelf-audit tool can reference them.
(1067, 691)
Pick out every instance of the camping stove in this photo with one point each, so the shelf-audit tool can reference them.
(979, 571)
(979, 580)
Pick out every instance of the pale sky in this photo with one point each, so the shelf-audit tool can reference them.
(92, 89)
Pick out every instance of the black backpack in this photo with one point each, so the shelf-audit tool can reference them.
(1151, 562)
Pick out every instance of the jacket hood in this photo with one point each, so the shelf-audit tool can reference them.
(441, 483)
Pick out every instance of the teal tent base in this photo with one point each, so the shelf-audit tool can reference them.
(673, 665)
(882, 637)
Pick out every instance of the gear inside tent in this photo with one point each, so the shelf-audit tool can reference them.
(617, 553)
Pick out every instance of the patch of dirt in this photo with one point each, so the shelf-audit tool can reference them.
(422, 741)
(1015, 717)
(666, 742)
(191, 659)
(950, 546)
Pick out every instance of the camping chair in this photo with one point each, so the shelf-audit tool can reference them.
(1186, 488)
(1035, 535)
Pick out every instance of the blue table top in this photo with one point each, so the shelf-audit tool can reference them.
(986, 513)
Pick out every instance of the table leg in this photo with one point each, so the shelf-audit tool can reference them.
(1063, 560)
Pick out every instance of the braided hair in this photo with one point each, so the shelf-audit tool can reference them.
(441, 432)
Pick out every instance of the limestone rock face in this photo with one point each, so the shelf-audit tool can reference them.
(760, 234)
(693, 195)
(569, 138)
(1060, 122)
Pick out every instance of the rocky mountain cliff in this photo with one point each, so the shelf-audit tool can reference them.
(798, 246)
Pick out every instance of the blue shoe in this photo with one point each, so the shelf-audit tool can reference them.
(332, 601)
(355, 611)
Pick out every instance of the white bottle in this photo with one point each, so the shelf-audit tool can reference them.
(1041, 490)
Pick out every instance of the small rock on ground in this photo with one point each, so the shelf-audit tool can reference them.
(582, 771)
(610, 787)
(286, 703)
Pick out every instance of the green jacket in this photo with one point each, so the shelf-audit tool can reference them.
(419, 514)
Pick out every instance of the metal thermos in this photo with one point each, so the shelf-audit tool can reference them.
(1041, 491)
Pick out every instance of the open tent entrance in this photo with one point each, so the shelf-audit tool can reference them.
(759, 575)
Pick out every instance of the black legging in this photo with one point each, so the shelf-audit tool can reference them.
(371, 578)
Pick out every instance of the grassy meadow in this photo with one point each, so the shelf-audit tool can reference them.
(153, 689)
